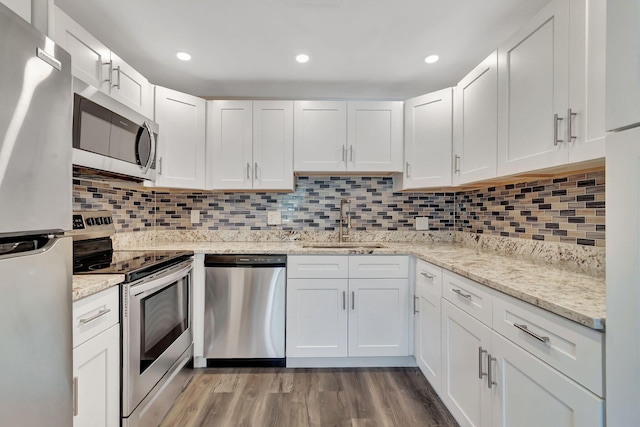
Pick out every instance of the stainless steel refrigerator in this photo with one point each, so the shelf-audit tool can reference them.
(35, 209)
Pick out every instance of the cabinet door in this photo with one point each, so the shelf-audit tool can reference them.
(317, 317)
(320, 136)
(465, 345)
(96, 368)
(427, 140)
(130, 87)
(533, 74)
(273, 145)
(428, 333)
(378, 317)
(90, 58)
(229, 137)
(374, 137)
(623, 64)
(21, 7)
(529, 393)
(475, 131)
(181, 139)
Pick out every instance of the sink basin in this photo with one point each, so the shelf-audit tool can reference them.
(346, 245)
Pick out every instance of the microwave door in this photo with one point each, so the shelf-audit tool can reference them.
(123, 139)
(93, 131)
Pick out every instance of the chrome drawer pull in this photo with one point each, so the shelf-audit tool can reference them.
(526, 330)
(427, 275)
(95, 316)
(459, 292)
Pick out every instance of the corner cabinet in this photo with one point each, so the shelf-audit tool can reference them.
(339, 306)
(338, 136)
(427, 141)
(475, 129)
(96, 360)
(551, 91)
(250, 145)
(181, 141)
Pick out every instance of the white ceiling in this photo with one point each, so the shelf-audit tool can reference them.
(359, 48)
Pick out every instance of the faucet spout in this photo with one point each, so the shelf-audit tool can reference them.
(345, 220)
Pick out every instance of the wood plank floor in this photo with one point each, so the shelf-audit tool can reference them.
(281, 397)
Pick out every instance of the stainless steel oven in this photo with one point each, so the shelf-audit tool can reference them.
(157, 343)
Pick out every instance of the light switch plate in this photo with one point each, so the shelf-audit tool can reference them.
(274, 218)
(422, 223)
(195, 216)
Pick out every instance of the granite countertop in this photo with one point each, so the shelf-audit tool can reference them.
(579, 297)
(88, 284)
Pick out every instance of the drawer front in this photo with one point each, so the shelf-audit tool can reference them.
(573, 349)
(95, 314)
(469, 296)
(318, 266)
(429, 276)
(378, 267)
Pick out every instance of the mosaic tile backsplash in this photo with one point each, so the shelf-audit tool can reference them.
(569, 209)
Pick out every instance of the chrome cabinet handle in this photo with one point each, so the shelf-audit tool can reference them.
(570, 116)
(556, 120)
(110, 74)
(255, 174)
(490, 381)
(407, 171)
(248, 170)
(481, 352)
(117, 85)
(456, 166)
(94, 317)
(459, 292)
(415, 308)
(427, 275)
(351, 153)
(344, 153)
(160, 166)
(75, 396)
(526, 330)
(353, 300)
(344, 300)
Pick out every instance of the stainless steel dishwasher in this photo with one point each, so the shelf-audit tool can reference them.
(244, 310)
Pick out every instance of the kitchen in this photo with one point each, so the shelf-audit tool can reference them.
(546, 215)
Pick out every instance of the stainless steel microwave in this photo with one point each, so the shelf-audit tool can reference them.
(121, 142)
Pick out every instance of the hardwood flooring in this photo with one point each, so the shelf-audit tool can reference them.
(281, 397)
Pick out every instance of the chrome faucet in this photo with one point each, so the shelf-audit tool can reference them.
(345, 220)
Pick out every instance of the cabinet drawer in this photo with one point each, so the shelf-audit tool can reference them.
(95, 314)
(378, 267)
(429, 276)
(573, 349)
(469, 296)
(318, 266)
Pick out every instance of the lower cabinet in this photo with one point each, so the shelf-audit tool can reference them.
(332, 314)
(96, 360)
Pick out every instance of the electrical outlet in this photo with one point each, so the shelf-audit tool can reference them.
(422, 223)
(195, 216)
(274, 218)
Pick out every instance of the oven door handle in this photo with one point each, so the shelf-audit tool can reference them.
(159, 282)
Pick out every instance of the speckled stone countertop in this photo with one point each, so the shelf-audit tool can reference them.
(559, 289)
(89, 284)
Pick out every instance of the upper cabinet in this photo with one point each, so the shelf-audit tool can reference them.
(250, 144)
(95, 64)
(427, 141)
(181, 140)
(623, 64)
(335, 136)
(551, 96)
(21, 7)
(475, 130)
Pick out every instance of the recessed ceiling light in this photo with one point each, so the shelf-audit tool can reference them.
(431, 59)
(183, 56)
(302, 58)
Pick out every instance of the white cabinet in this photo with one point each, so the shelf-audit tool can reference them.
(251, 145)
(95, 64)
(341, 306)
(623, 64)
(181, 141)
(21, 7)
(551, 97)
(475, 130)
(427, 322)
(427, 141)
(338, 136)
(96, 360)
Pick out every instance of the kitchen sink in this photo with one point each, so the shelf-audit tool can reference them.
(345, 245)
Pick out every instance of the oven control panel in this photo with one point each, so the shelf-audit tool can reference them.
(92, 224)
